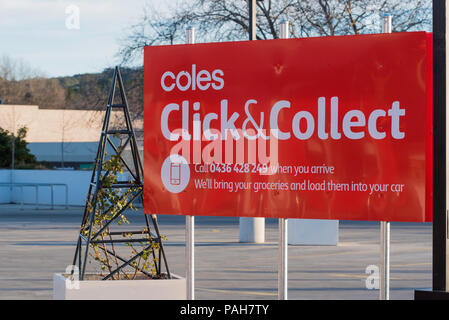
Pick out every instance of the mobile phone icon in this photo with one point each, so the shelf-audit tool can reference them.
(175, 174)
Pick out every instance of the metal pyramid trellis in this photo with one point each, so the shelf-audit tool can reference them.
(109, 200)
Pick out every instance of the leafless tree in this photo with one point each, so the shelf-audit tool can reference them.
(227, 20)
(16, 69)
(21, 84)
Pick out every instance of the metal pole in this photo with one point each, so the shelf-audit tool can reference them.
(37, 197)
(66, 196)
(252, 19)
(440, 224)
(283, 233)
(283, 260)
(190, 257)
(384, 292)
(13, 148)
(62, 141)
(21, 199)
(440, 237)
(52, 198)
(252, 230)
(190, 223)
(387, 26)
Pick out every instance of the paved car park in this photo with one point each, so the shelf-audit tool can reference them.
(36, 243)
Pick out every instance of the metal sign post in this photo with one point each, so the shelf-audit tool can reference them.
(283, 239)
(190, 223)
(283, 261)
(252, 19)
(190, 257)
(440, 227)
(384, 292)
(252, 229)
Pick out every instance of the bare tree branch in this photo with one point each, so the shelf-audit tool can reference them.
(227, 20)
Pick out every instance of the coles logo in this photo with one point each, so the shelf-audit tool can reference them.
(193, 80)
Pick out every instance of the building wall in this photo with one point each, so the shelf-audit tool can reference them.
(77, 181)
(57, 135)
(5, 194)
(67, 151)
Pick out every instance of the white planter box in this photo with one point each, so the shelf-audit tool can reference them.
(163, 289)
(313, 232)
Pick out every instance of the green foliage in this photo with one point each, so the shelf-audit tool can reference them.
(22, 156)
(109, 202)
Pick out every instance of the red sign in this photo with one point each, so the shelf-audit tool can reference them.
(324, 128)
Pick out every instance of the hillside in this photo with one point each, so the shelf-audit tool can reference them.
(91, 90)
(82, 91)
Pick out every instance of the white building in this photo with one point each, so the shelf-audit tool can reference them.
(59, 137)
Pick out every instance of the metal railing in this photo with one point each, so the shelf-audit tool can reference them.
(36, 186)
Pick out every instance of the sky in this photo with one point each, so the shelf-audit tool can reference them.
(67, 37)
